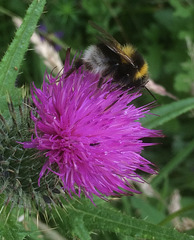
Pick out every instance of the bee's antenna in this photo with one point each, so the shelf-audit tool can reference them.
(150, 93)
(70, 72)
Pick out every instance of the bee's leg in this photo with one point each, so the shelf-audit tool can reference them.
(100, 82)
(104, 74)
(110, 70)
(78, 63)
(110, 105)
(70, 72)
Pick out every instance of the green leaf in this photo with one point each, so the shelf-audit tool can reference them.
(104, 218)
(173, 163)
(10, 229)
(12, 59)
(167, 112)
(79, 229)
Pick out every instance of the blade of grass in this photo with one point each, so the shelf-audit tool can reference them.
(167, 113)
(13, 57)
(180, 157)
(176, 214)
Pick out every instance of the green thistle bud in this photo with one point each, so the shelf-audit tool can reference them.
(19, 167)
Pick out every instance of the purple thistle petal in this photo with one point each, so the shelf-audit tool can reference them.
(91, 134)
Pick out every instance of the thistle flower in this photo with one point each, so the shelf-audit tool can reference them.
(91, 138)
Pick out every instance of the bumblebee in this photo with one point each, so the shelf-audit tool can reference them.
(123, 63)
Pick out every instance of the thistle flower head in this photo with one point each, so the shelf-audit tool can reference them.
(91, 138)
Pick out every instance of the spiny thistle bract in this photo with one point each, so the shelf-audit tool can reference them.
(90, 138)
(19, 167)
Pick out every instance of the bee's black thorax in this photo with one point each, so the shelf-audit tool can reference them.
(110, 56)
(122, 73)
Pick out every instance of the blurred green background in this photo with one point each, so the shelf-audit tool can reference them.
(163, 31)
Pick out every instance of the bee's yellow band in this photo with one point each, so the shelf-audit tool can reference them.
(142, 72)
(128, 50)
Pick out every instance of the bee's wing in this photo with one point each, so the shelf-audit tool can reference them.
(104, 33)
(110, 42)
